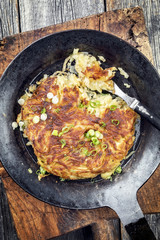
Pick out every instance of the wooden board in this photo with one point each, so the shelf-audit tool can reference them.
(34, 219)
(18, 16)
(151, 10)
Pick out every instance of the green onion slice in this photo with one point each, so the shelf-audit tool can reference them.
(81, 105)
(103, 124)
(118, 169)
(30, 170)
(62, 179)
(57, 110)
(93, 153)
(87, 135)
(91, 144)
(98, 135)
(104, 146)
(95, 104)
(95, 141)
(43, 110)
(38, 172)
(63, 142)
(55, 133)
(113, 107)
(115, 122)
(110, 178)
(65, 129)
(91, 132)
(85, 152)
(42, 170)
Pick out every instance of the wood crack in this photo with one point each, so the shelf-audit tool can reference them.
(19, 16)
(105, 6)
(132, 35)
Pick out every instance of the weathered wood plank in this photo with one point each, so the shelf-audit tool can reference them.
(9, 19)
(152, 19)
(106, 230)
(128, 24)
(7, 229)
(56, 11)
(11, 46)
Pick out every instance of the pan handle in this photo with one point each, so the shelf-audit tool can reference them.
(133, 219)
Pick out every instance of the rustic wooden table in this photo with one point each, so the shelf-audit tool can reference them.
(19, 16)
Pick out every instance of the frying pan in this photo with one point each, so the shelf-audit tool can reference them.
(45, 56)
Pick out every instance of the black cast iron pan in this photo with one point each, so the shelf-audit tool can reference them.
(47, 55)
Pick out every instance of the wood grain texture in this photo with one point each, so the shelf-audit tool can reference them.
(106, 230)
(128, 24)
(11, 46)
(151, 9)
(32, 217)
(9, 19)
(56, 11)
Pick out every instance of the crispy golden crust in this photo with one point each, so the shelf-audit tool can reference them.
(71, 154)
(71, 161)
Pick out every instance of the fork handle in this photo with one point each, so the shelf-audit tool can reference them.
(147, 114)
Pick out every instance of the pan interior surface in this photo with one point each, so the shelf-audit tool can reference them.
(45, 57)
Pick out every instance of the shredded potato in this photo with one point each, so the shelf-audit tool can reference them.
(85, 132)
